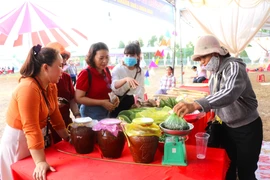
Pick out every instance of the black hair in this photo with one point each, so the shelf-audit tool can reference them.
(133, 49)
(194, 67)
(90, 57)
(170, 67)
(136, 42)
(36, 57)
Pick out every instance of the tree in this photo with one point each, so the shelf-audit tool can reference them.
(141, 42)
(160, 39)
(121, 44)
(152, 41)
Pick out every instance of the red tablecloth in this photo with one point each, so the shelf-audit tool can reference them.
(199, 126)
(91, 166)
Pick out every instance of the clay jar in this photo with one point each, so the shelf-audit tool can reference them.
(83, 137)
(143, 146)
(110, 137)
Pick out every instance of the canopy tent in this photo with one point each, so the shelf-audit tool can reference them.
(234, 23)
(31, 24)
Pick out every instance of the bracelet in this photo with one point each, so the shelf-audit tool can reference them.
(77, 114)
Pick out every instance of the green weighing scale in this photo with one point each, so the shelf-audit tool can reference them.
(174, 146)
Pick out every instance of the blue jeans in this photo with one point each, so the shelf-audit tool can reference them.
(94, 112)
(162, 91)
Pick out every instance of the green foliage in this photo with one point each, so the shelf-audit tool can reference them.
(141, 42)
(243, 54)
(169, 56)
(121, 44)
(160, 38)
(152, 41)
(265, 30)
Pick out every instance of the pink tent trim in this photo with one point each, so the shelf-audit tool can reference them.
(8, 21)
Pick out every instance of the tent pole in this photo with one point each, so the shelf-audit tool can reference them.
(181, 51)
(174, 40)
(177, 28)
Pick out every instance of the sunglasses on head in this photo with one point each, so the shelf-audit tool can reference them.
(64, 56)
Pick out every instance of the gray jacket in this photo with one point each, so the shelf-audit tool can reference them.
(232, 95)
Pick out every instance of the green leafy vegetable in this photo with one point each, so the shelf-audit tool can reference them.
(174, 122)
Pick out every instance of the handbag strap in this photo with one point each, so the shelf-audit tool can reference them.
(47, 103)
(124, 95)
(89, 75)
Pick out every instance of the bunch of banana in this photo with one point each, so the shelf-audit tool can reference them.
(170, 102)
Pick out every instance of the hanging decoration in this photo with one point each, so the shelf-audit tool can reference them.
(168, 34)
(146, 81)
(146, 74)
(153, 65)
(158, 54)
(157, 60)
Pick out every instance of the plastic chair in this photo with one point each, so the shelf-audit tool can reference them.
(145, 97)
(205, 81)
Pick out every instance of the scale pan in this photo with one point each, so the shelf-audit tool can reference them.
(176, 132)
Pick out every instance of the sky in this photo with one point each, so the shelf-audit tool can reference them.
(102, 21)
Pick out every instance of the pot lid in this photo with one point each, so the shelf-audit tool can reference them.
(143, 121)
(110, 121)
(83, 120)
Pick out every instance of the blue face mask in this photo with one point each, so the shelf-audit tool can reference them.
(130, 61)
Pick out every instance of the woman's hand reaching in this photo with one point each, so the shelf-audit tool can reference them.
(41, 170)
(132, 82)
(181, 109)
(108, 105)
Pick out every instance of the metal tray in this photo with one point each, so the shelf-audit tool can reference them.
(176, 132)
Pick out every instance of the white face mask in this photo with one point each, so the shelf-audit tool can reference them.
(213, 64)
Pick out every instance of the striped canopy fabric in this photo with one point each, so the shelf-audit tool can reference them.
(31, 24)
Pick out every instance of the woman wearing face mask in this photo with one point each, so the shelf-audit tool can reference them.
(128, 79)
(235, 104)
(94, 84)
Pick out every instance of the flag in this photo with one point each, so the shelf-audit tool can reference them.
(174, 33)
(157, 60)
(146, 74)
(162, 53)
(163, 43)
(158, 54)
(153, 64)
(168, 35)
(146, 81)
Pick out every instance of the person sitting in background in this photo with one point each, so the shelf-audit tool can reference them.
(94, 84)
(32, 108)
(72, 71)
(200, 76)
(167, 81)
(66, 92)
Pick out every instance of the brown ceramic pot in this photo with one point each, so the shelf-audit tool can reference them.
(143, 148)
(110, 145)
(83, 139)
